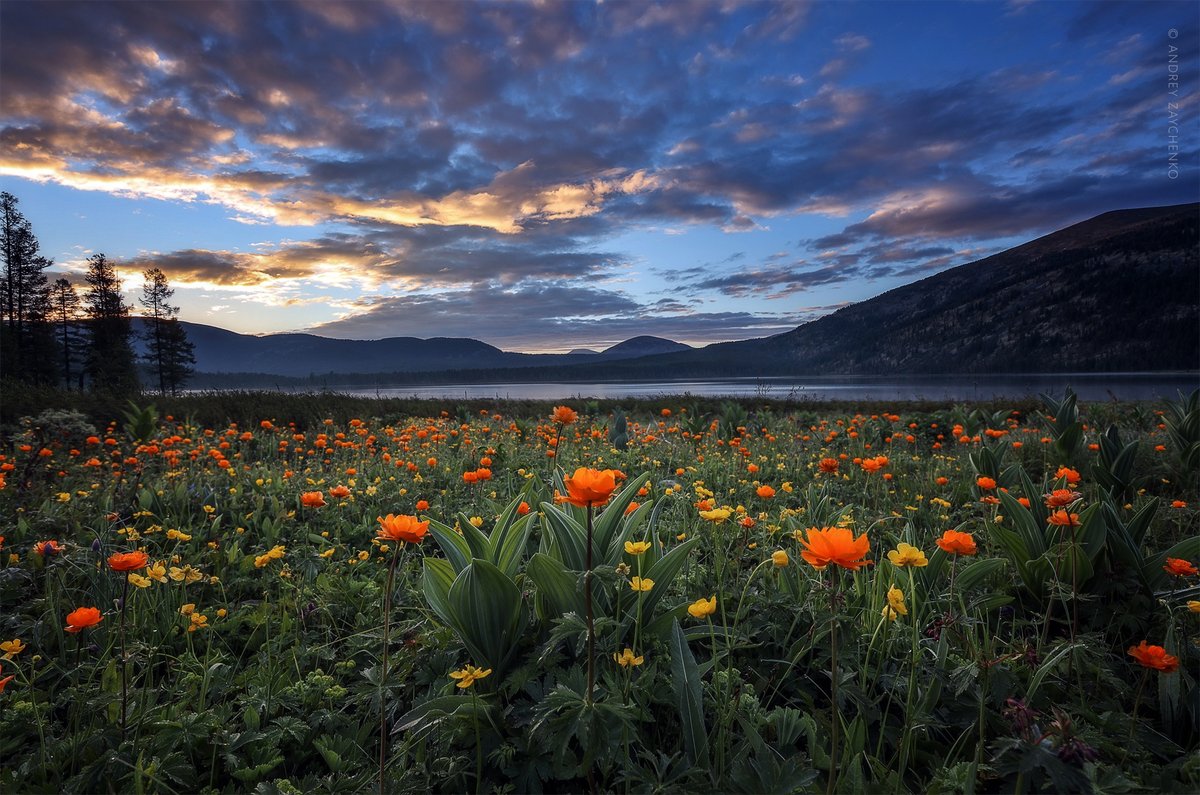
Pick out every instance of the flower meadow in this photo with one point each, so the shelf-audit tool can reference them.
(675, 599)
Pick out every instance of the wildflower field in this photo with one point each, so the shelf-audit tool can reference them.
(677, 598)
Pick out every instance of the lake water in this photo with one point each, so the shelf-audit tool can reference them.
(1089, 386)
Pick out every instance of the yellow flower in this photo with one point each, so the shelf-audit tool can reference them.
(138, 580)
(636, 547)
(199, 621)
(476, 521)
(11, 648)
(187, 575)
(702, 608)
(222, 612)
(888, 613)
(175, 535)
(895, 599)
(1193, 605)
(780, 558)
(157, 571)
(467, 675)
(716, 515)
(907, 555)
(627, 658)
(641, 583)
(64, 496)
(187, 609)
(327, 553)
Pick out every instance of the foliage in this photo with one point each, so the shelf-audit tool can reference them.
(256, 660)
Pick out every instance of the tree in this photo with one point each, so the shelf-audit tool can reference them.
(179, 356)
(66, 313)
(110, 360)
(167, 348)
(24, 298)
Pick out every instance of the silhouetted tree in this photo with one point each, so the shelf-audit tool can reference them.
(24, 298)
(66, 313)
(168, 351)
(110, 360)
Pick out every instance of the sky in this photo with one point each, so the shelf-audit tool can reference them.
(545, 176)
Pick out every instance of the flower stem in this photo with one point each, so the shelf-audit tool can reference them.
(124, 660)
(587, 606)
(833, 688)
(387, 618)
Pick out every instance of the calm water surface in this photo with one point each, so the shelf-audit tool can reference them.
(1089, 386)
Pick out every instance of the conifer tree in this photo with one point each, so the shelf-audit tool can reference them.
(110, 360)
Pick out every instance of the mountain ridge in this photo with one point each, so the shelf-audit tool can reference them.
(1119, 291)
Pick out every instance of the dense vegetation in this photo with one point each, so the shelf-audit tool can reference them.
(456, 598)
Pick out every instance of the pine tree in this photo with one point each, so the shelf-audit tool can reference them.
(110, 359)
(168, 351)
(66, 313)
(179, 357)
(24, 298)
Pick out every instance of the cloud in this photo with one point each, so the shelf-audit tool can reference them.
(554, 316)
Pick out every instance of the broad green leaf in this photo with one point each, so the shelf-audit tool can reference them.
(457, 551)
(685, 682)
(555, 585)
(489, 613)
(567, 535)
(436, 580)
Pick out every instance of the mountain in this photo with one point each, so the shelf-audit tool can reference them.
(303, 355)
(643, 346)
(1119, 292)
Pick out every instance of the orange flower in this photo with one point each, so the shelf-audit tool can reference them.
(312, 499)
(1180, 567)
(522, 509)
(829, 465)
(128, 561)
(985, 483)
(81, 618)
(402, 528)
(564, 415)
(835, 545)
(942, 481)
(1061, 498)
(339, 492)
(590, 486)
(47, 548)
(957, 543)
(1070, 474)
(1063, 519)
(4, 682)
(766, 492)
(1155, 657)
(422, 505)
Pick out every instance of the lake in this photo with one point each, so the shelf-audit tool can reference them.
(1089, 386)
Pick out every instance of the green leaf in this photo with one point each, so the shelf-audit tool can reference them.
(568, 537)
(489, 613)
(664, 572)
(977, 571)
(606, 524)
(456, 548)
(476, 540)
(555, 585)
(685, 681)
(1047, 666)
(436, 580)
(436, 710)
(507, 544)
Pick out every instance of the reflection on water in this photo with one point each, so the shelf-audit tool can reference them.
(1089, 386)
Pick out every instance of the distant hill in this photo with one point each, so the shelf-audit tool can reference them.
(302, 355)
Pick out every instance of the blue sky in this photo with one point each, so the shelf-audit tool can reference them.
(546, 176)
